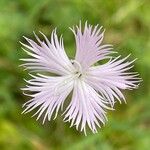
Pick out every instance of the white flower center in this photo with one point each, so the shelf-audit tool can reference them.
(77, 73)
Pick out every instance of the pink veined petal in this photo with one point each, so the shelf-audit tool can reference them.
(48, 94)
(89, 49)
(87, 108)
(47, 56)
(109, 79)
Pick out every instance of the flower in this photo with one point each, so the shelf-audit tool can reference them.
(94, 88)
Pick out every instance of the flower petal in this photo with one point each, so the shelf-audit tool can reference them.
(49, 94)
(110, 78)
(86, 107)
(88, 45)
(47, 56)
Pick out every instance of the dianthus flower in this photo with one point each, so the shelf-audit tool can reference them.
(94, 88)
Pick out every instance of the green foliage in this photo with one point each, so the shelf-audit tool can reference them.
(127, 23)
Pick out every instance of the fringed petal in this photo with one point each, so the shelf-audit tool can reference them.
(110, 78)
(48, 94)
(47, 56)
(89, 49)
(87, 108)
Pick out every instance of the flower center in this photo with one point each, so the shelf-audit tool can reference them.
(77, 67)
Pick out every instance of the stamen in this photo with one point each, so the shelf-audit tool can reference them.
(79, 68)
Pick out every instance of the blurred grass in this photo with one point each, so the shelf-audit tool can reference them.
(127, 26)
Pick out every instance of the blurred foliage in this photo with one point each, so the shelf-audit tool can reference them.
(128, 29)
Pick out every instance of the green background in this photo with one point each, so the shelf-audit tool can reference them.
(127, 24)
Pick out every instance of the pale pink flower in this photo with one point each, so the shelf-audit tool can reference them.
(94, 88)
